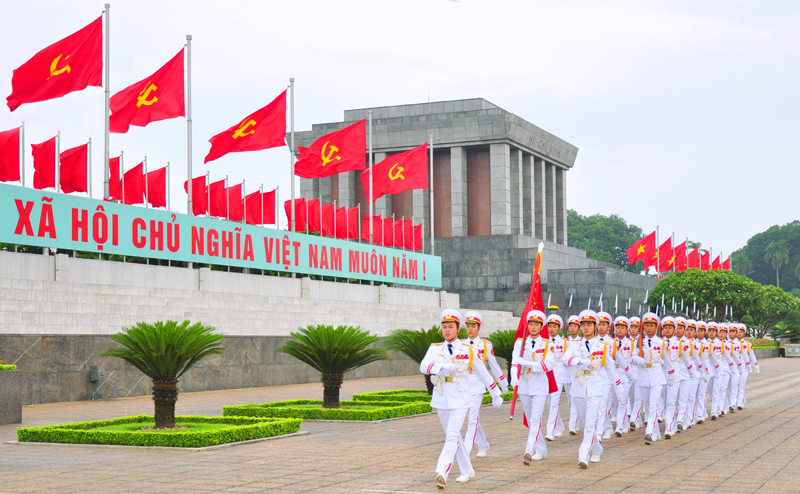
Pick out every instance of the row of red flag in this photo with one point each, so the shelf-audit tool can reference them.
(667, 258)
(221, 201)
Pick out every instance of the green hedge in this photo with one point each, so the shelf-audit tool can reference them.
(7, 367)
(388, 410)
(241, 429)
(411, 395)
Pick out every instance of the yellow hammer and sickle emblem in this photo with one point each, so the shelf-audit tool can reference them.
(397, 175)
(142, 99)
(53, 67)
(240, 132)
(330, 157)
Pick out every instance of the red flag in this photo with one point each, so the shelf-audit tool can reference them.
(134, 185)
(216, 193)
(44, 164)
(68, 65)
(705, 261)
(300, 206)
(9, 155)
(398, 234)
(340, 151)
(264, 129)
(413, 235)
(666, 258)
(694, 258)
(399, 172)
(235, 203)
(638, 251)
(715, 264)
(158, 97)
(268, 200)
(199, 195)
(347, 223)
(341, 223)
(727, 264)
(680, 257)
(388, 233)
(114, 183)
(156, 187)
(73, 166)
(327, 220)
(260, 208)
(377, 229)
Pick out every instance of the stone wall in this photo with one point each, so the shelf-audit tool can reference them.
(583, 284)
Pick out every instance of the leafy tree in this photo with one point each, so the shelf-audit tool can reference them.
(503, 343)
(777, 255)
(164, 351)
(770, 306)
(789, 328)
(415, 345)
(604, 238)
(753, 260)
(333, 352)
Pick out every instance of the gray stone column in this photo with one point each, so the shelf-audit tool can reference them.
(383, 206)
(516, 191)
(539, 198)
(550, 201)
(561, 206)
(528, 207)
(326, 190)
(458, 191)
(500, 175)
(309, 188)
(347, 189)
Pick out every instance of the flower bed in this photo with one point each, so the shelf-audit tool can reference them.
(312, 409)
(4, 367)
(102, 431)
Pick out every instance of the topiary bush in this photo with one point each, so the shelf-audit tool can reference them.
(293, 408)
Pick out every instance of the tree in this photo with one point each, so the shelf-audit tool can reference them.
(164, 351)
(758, 265)
(415, 345)
(604, 238)
(770, 306)
(503, 344)
(777, 255)
(741, 264)
(333, 352)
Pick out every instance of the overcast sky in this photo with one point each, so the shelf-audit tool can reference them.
(686, 114)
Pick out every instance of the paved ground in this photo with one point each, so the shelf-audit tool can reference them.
(755, 450)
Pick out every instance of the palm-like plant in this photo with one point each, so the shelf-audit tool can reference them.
(164, 351)
(333, 352)
(503, 343)
(415, 345)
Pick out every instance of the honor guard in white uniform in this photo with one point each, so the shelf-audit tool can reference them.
(555, 426)
(750, 363)
(532, 359)
(719, 363)
(727, 378)
(692, 347)
(591, 359)
(706, 380)
(737, 369)
(650, 356)
(485, 353)
(573, 338)
(684, 371)
(604, 427)
(635, 393)
(623, 353)
(449, 365)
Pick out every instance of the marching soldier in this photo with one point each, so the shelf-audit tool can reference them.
(737, 369)
(555, 426)
(623, 353)
(692, 347)
(533, 386)
(650, 358)
(635, 393)
(704, 346)
(686, 372)
(574, 338)
(593, 358)
(750, 362)
(604, 427)
(450, 364)
(719, 362)
(485, 352)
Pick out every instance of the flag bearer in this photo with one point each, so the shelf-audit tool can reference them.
(574, 338)
(623, 353)
(652, 379)
(485, 353)
(450, 364)
(635, 393)
(555, 427)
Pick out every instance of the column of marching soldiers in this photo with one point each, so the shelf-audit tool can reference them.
(620, 374)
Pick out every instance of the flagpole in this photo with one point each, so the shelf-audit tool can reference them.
(146, 184)
(244, 193)
(672, 241)
(433, 245)
(227, 200)
(122, 173)
(371, 193)
(307, 222)
(359, 222)
(22, 155)
(403, 222)
(189, 123)
(320, 215)
(293, 222)
(168, 187)
(334, 218)
(208, 194)
(58, 161)
(107, 67)
(277, 204)
(89, 166)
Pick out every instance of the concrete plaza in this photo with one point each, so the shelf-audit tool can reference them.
(755, 450)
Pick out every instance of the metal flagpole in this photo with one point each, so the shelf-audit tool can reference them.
(307, 222)
(22, 155)
(244, 193)
(403, 229)
(261, 193)
(334, 218)
(168, 187)
(359, 222)
(58, 162)
(277, 206)
(146, 184)
(371, 192)
(89, 169)
(189, 124)
(227, 200)
(672, 246)
(293, 222)
(433, 245)
(208, 194)
(122, 173)
(107, 88)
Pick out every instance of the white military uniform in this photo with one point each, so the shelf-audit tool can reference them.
(635, 393)
(751, 366)
(701, 408)
(651, 378)
(534, 386)
(575, 420)
(450, 364)
(623, 356)
(692, 348)
(555, 426)
(719, 363)
(485, 353)
(737, 370)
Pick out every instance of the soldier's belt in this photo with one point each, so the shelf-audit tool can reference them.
(560, 363)
(654, 364)
(617, 366)
(590, 373)
(455, 379)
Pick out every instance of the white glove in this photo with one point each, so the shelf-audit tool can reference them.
(620, 394)
(497, 401)
(585, 361)
(694, 374)
(514, 379)
(504, 389)
(742, 372)
(447, 367)
(525, 363)
(671, 381)
(637, 360)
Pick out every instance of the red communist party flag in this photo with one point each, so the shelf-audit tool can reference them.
(114, 182)
(727, 264)
(377, 229)
(235, 203)
(133, 187)
(715, 264)
(705, 261)
(694, 258)
(73, 166)
(398, 173)
(680, 257)
(199, 195)
(68, 65)
(9, 155)
(300, 207)
(44, 164)
(341, 223)
(340, 151)
(158, 97)
(156, 187)
(328, 225)
(216, 196)
(388, 233)
(398, 234)
(638, 250)
(413, 235)
(260, 208)
(264, 129)
(347, 223)
(665, 257)
(268, 200)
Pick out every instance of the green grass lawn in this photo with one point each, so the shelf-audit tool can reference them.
(192, 427)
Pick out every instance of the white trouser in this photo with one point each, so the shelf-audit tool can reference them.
(554, 423)
(452, 420)
(533, 405)
(733, 388)
(742, 384)
(602, 411)
(590, 408)
(622, 407)
(691, 403)
(635, 404)
(717, 394)
(684, 389)
(671, 404)
(567, 387)
(577, 415)
(650, 397)
(703, 388)
(475, 434)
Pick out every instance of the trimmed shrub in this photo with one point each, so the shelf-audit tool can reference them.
(7, 367)
(241, 429)
(385, 410)
(411, 395)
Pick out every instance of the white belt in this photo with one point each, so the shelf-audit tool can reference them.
(559, 363)
(654, 364)
(590, 373)
(455, 379)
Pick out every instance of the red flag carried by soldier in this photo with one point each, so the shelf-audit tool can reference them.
(9, 155)
(399, 172)
(158, 97)
(264, 129)
(68, 65)
(340, 151)
(73, 169)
